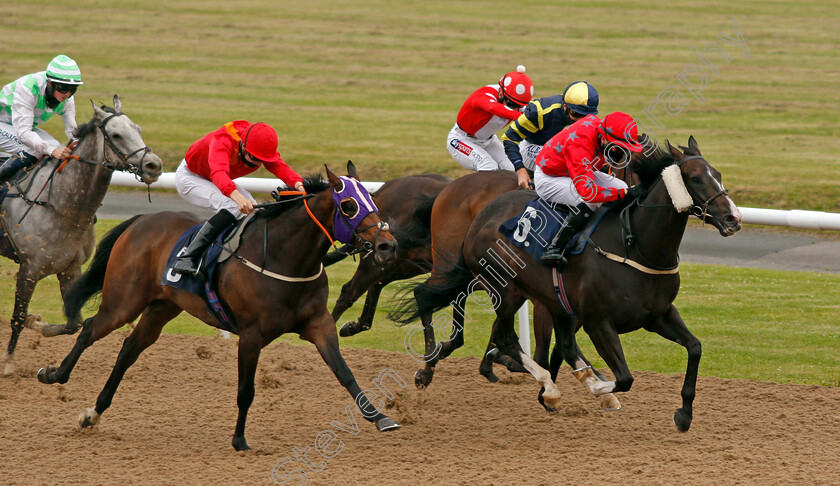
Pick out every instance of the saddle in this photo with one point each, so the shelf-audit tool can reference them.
(533, 230)
(205, 283)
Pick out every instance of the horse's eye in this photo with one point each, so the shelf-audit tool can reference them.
(348, 207)
(116, 136)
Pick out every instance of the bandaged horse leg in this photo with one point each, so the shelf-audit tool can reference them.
(601, 389)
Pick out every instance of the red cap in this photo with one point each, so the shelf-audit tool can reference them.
(517, 86)
(261, 141)
(620, 128)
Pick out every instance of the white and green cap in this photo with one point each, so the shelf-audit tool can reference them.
(62, 69)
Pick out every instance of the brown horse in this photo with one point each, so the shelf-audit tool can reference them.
(617, 285)
(286, 239)
(405, 203)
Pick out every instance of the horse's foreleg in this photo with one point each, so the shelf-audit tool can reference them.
(605, 338)
(671, 327)
(26, 283)
(321, 332)
(145, 333)
(250, 345)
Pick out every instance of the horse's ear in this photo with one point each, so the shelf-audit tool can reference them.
(351, 170)
(692, 145)
(99, 112)
(674, 151)
(117, 103)
(335, 182)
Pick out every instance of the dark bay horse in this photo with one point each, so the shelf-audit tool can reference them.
(405, 203)
(633, 288)
(284, 239)
(453, 212)
(55, 235)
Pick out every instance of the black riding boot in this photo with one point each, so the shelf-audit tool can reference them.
(190, 261)
(15, 163)
(554, 254)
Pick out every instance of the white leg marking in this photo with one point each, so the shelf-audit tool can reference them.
(551, 395)
(88, 418)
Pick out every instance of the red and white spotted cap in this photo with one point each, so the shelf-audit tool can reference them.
(517, 86)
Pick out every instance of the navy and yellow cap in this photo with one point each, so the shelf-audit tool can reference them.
(582, 98)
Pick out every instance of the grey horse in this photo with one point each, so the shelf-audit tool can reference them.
(56, 236)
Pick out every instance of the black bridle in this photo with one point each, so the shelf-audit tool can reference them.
(124, 165)
(367, 246)
(696, 209)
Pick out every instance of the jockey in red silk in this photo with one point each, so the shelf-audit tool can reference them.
(568, 168)
(205, 179)
(472, 141)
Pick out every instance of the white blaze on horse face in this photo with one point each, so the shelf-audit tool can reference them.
(732, 207)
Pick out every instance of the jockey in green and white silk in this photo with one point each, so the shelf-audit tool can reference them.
(33, 99)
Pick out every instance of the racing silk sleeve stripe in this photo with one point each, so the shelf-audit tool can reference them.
(69, 117)
(518, 131)
(23, 118)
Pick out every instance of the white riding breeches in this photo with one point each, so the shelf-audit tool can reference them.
(529, 152)
(477, 155)
(10, 143)
(562, 190)
(201, 192)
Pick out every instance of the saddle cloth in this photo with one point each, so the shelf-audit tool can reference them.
(205, 283)
(533, 230)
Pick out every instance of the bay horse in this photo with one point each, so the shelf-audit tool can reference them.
(53, 230)
(405, 203)
(633, 288)
(453, 212)
(285, 291)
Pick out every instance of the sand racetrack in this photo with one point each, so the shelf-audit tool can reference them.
(173, 417)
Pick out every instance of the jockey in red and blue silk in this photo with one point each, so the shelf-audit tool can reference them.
(472, 141)
(568, 168)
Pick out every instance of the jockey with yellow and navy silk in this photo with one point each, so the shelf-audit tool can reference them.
(472, 142)
(542, 119)
(205, 179)
(568, 171)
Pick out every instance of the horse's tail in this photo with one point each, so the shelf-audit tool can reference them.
(428, 298)
(90, 283)
(417, 232)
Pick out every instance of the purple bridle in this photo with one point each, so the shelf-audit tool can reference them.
(346, 225)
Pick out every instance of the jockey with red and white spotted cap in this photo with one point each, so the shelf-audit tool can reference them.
(472, 142)
(568, 171)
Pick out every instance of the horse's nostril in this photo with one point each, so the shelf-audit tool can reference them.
(386, 247)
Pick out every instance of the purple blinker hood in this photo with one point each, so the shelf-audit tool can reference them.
(345, 225)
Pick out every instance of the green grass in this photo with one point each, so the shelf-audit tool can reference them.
(381, 82)
(753, 323)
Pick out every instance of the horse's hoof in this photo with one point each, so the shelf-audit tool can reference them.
(347, 329)
(386, 423)
(42, 376)
(682, 420)
(88, 418)
(609, 402)
(422, 379)
(491, 377)
(516, 367)
(240, 444)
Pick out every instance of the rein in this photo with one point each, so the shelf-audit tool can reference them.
(629, 239)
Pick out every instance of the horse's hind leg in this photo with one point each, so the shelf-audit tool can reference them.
(50, 330)
(145, 333)
(567, 349)
(671, 327)
(108, 319)
(26, 283)
(321, 332)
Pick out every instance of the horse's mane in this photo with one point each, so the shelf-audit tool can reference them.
(86, 129)
(650, 167)
(313, 185)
